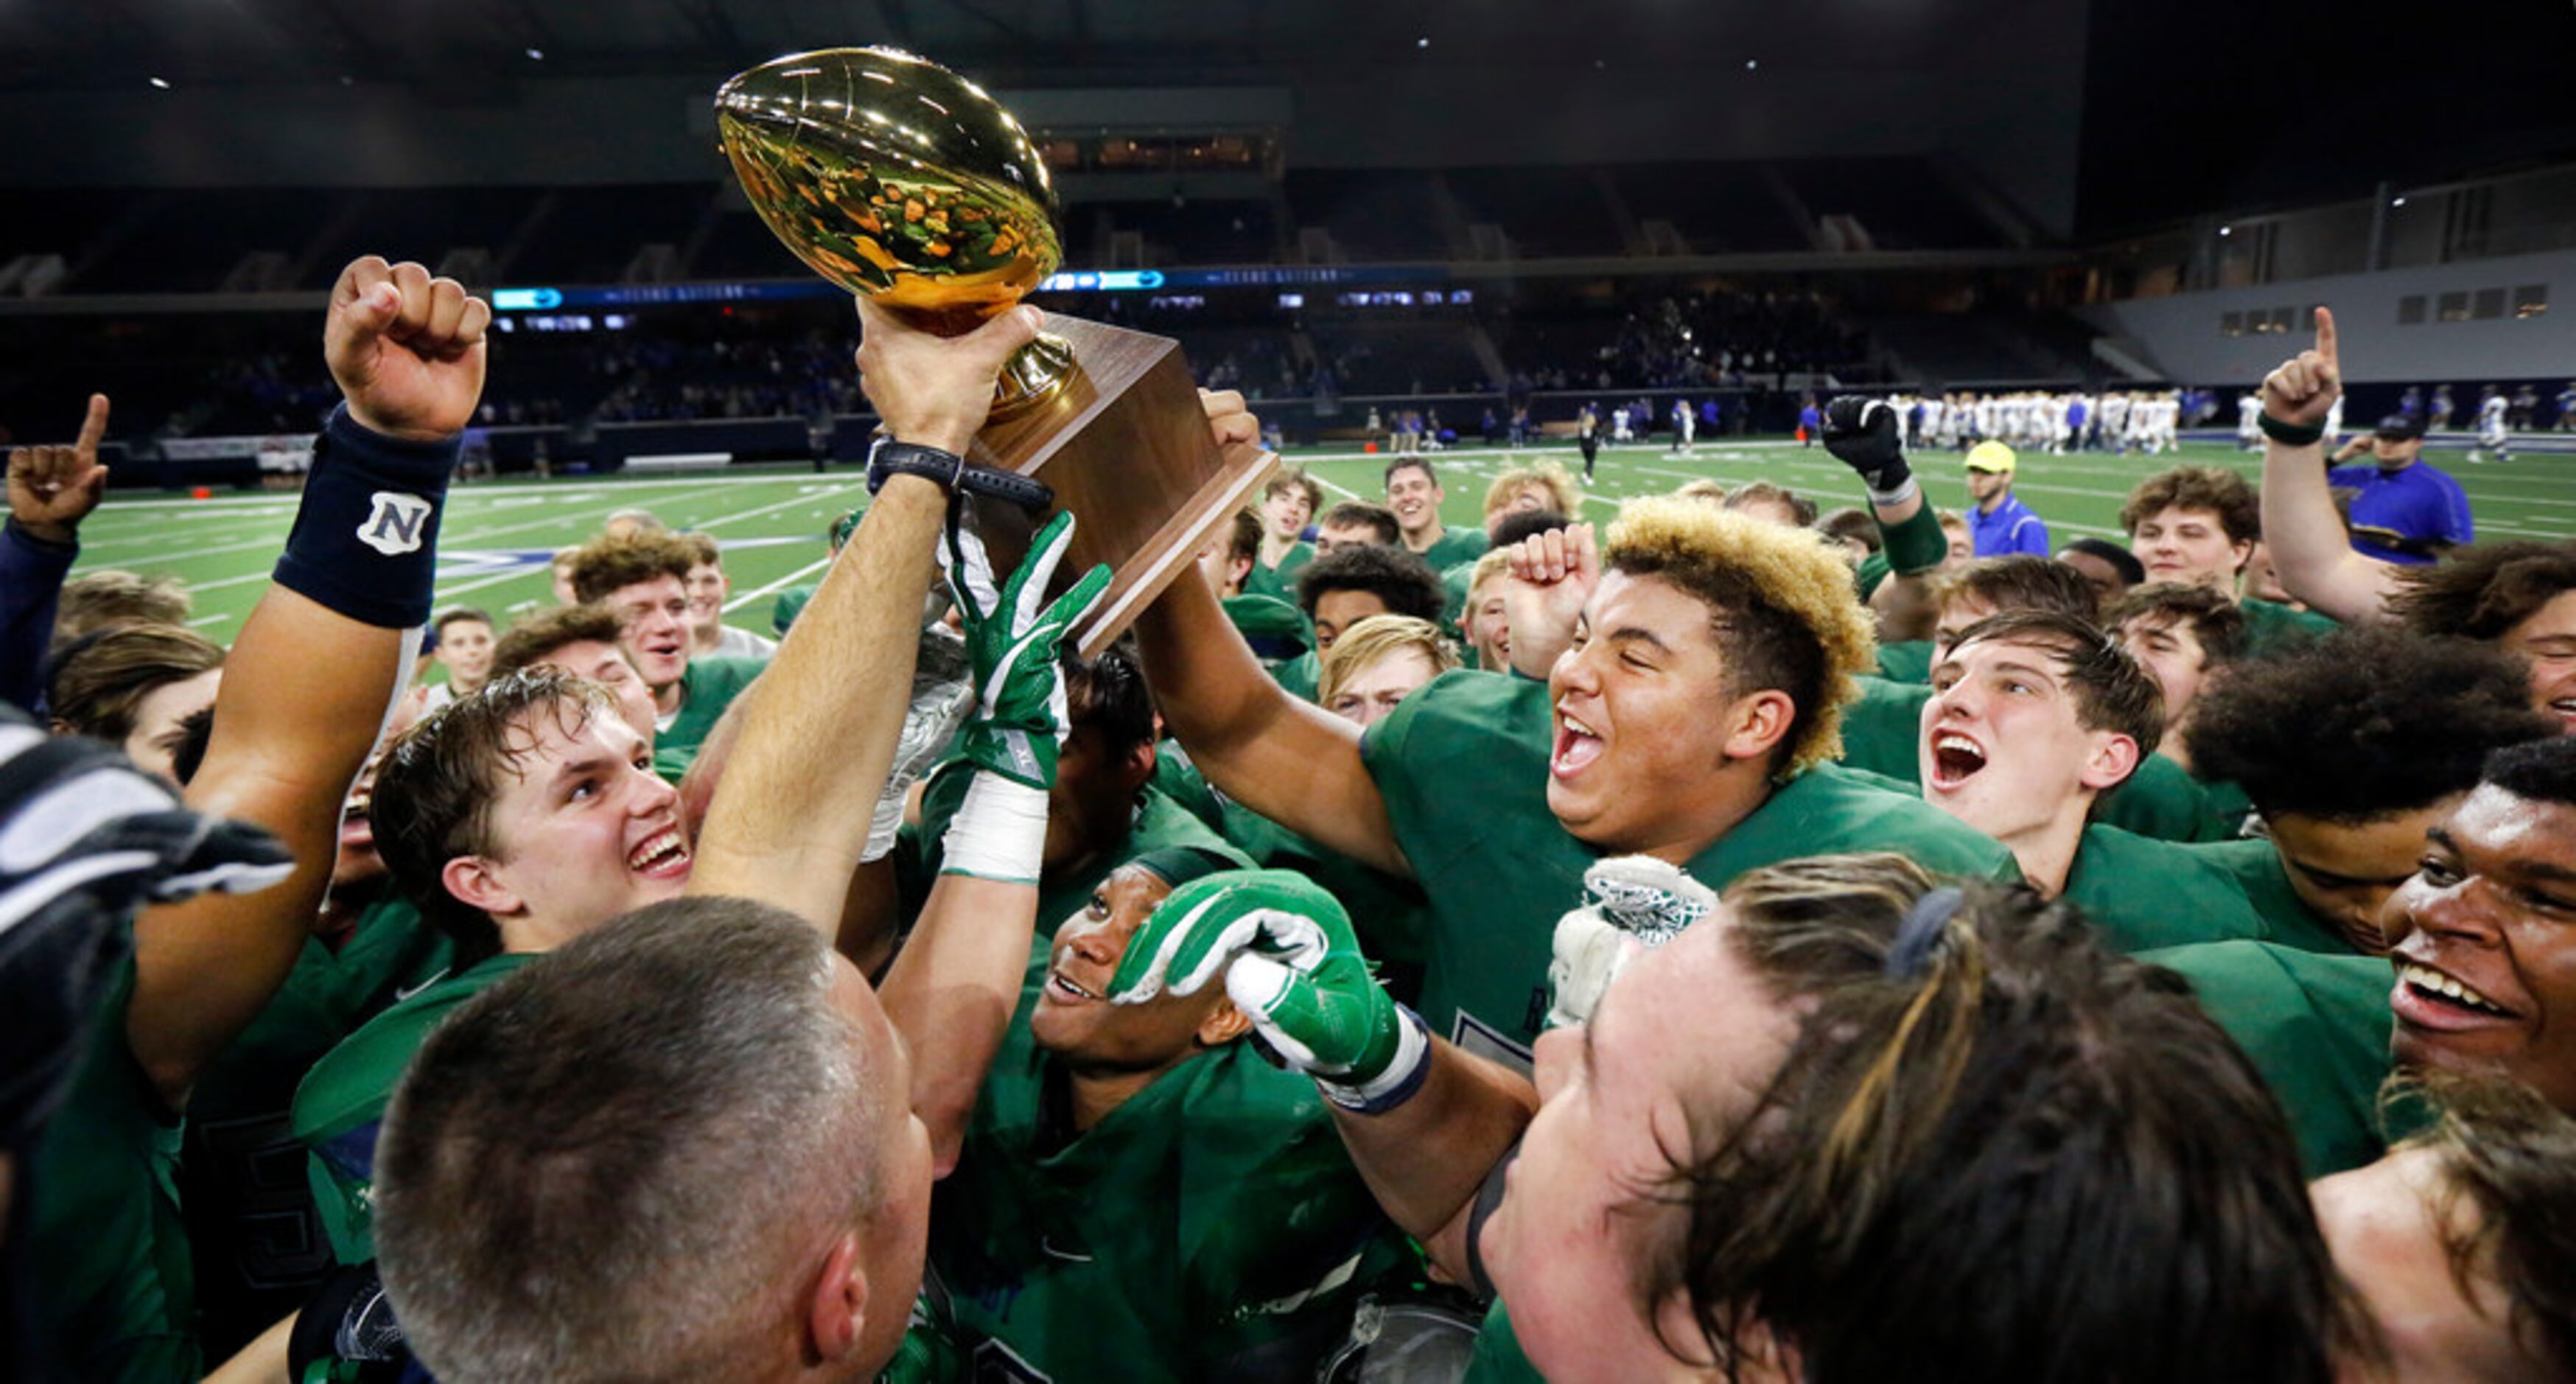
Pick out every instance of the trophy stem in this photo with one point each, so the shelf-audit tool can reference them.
(1033, 374)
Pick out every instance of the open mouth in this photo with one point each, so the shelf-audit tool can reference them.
(2564, 708)
(1576, 747)
(2426, 994)
(662, 856)
(1955, 759)
(1064, 991)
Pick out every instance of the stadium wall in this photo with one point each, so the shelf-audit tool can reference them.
(2184, 334)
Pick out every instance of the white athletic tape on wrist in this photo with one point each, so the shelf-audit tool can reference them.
(1898, 496)
(1399, 1082)
(999, 832)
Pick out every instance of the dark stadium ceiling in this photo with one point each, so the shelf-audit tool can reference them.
(106, 44)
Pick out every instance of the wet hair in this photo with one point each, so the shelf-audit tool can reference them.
(1419, 463)
(1564, 494)
(2019, 581)
(1780, 604)
(1405, 583)
(612, 1164)
(2216, 622)
(1523, 523)
(97, 687)
(1371, 639)
(1852, 524)
(2209, 489)
(2368, 722)
(458, 614)
(1802, 511)
(605, 566)
(535, 637)
(2485, 589)
(2121, 559)
(1993, 1145)
(109, 599)
(1295, 478)
(2543, 771)
(2112, 690)
(440, 779)
(1352, 514)
(2512, 1155)
(1109, 692)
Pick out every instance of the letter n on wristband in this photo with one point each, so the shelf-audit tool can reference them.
(365, 542)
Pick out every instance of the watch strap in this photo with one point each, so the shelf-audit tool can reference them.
(888, 457)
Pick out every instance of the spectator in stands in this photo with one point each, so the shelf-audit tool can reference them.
(1414, 495)
(581, 640)
(464, 650)
(2403, 510)
(1351, 583)
(1354, 524)
(110, 598)
(1772, 504)
(2000, 523)
(2458, 1242)
(51, 489)
(2186, 635)
(2351, 749)
(1289, 501)
(2110, 568)
(643, 579)
(1539, 486)
(135, 688)
(1379, 661)
(709, 635)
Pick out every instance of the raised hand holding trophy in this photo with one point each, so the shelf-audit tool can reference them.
(901, 181)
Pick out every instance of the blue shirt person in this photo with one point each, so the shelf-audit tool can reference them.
(2403, 510)
(2000, 524)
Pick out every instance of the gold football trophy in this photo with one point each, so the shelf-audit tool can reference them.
(895, 178)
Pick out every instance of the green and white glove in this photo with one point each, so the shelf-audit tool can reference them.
(1016, 726)
(1292, 964)
(1632, 904)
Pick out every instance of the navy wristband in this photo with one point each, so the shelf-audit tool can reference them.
(365, 542)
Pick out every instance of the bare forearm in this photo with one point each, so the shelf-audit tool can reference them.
(1284, 759)
(304, 694)
(1425, 1159)
(787, 823)
(951, 994)
(2310, 550)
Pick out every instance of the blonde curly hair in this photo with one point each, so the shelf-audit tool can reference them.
(1781, 606)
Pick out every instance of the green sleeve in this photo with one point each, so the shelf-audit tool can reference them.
(2256, 866)
(1916, 546)
(1498, 1358)
(1869, 576)
(790, 604)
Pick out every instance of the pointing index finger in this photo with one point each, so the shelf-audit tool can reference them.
(2326, 336)
(94, 427)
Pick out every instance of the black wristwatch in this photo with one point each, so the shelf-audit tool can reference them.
(888, 457)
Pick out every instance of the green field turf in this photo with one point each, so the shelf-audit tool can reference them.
(497, 536)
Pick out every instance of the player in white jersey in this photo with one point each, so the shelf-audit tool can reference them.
(1685, 426)
(1936, 421)
(2492, 433)
(2115, 421)
(2249, 432)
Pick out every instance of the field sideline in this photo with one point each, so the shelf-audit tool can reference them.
(497, 537)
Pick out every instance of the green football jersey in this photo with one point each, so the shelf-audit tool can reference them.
(110, 1279)
(1883, 733)
(2316, 1027)
(1297, 676)
(1462, 766)
(2288, 921)
(260, 1247)
(2142, 893)
(1498, 1358)
(1907, 660)
(1210, 1228)
(1456, 544)
(1455, 582)
(2271, 626)
(1280, 581)
(1276, 629)
(1160, 821)
(789, 605)
(708, 686)
(341, 1104)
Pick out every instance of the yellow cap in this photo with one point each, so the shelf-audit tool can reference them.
(1991, 456)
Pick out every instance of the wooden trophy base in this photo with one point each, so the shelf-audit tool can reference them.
(1125, 444)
